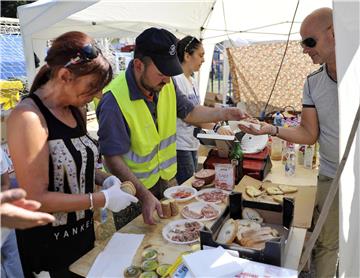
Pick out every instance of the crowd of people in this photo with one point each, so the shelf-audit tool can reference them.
(147, 116)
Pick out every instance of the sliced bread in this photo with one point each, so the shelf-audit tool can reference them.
(288, 189)
(227, 232)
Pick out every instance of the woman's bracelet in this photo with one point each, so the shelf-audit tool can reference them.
(91, 201)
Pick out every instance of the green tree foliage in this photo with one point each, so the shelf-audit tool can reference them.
(9, 8)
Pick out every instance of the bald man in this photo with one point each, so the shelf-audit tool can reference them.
(319, 122)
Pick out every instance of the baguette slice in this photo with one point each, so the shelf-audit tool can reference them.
(227, 232)
(278, 198)
(252, 214)
(288, 189)
(252, 191)
(272, 190)
(249, 242)
(257, 232)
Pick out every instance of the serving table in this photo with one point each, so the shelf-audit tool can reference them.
(169, 252)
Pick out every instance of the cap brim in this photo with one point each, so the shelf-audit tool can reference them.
(169, 66)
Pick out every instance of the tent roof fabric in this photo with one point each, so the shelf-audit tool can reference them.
(212, 20)
(254, 70)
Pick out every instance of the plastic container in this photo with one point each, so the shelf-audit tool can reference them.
(308, 157)
(301, 154)
(276, 148)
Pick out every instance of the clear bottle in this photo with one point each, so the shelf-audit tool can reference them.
(308, 157)
(301, 154)
(278, 119)
(290, 164)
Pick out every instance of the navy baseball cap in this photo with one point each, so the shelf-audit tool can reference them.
(160, 46)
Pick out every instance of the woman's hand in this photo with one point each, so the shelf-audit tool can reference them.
(265, 128)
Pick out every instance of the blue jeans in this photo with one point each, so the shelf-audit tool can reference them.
(186, 165)
(10, 260)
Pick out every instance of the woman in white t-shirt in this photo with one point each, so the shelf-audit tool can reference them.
(190, 52)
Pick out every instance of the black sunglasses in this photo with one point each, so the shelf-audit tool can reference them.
(87, 53)
(308, 42)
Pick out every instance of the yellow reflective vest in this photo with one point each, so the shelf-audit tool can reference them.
(152, 151)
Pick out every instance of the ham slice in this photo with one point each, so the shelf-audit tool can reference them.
(186, 212)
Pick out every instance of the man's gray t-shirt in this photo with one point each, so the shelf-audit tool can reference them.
(114, 133)
(320, 92)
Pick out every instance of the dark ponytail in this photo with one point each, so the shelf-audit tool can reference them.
(41, 78)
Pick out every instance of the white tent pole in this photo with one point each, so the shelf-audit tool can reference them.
(225, 75)
(205, 69)
(29, 57)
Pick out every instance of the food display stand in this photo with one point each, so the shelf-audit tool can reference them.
(169, 252)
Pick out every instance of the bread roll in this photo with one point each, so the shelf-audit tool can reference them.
(174, 207)
(166, 208)
(128, 187)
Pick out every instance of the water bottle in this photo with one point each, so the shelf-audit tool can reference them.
(301, 154)
(308, 157)
(278, 119)
(290, 161)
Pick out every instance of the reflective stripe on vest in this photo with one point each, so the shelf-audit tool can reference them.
(152, 151)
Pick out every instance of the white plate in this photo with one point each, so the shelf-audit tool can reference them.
(253, 143)
(197, 207)
(166, 231)
(209, 190)
(168, 193)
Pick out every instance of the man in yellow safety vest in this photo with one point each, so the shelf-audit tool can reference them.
(137, 118)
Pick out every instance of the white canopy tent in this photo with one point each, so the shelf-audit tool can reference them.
(215, 21)
(212, 20)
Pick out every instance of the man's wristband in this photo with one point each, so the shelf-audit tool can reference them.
(277, 131)
(91, 201)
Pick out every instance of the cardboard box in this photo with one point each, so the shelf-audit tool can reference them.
(275, 215)
(304, 199)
